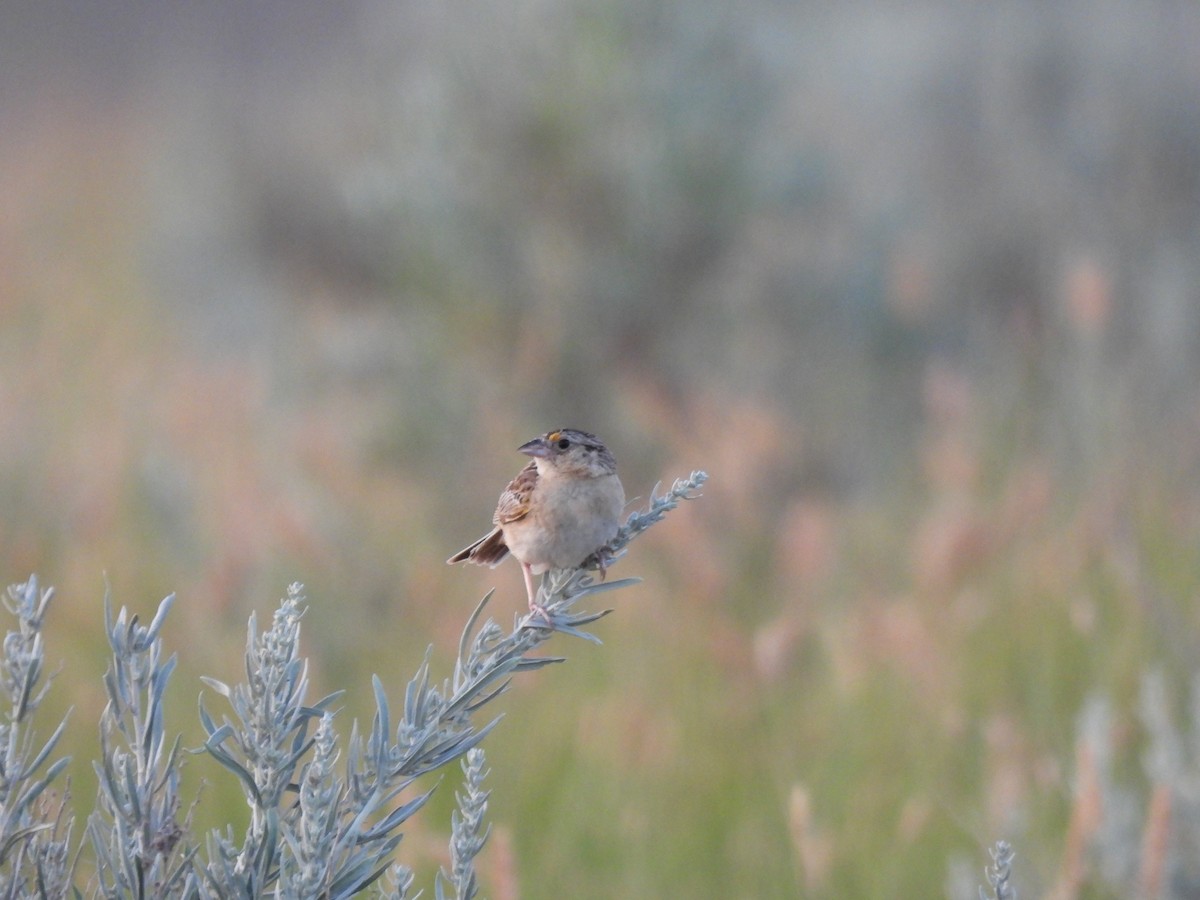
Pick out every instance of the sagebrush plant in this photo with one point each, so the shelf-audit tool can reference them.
(999, 874)
(134, 832)
(325, 814)
(35, 830)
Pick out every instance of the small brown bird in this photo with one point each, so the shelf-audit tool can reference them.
(559, 510)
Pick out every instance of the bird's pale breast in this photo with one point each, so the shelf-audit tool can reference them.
(572, 520)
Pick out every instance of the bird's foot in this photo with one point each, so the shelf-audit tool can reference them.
(537, 611)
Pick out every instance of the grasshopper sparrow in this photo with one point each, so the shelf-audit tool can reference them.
(559, 510)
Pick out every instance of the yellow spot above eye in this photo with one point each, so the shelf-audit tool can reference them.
(553, 436)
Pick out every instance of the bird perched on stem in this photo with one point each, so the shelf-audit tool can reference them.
(559, 510)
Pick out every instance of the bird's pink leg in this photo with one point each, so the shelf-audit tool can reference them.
(534, 607)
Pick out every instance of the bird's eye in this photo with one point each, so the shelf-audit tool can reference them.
(563, 444)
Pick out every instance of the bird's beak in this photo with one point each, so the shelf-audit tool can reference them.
(537, 448)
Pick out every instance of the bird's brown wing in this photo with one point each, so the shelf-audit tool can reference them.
(514, 501)
(512, 506)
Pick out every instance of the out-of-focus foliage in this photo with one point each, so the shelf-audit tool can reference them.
(283, 284)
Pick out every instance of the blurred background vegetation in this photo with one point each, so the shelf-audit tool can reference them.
(283, 285)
